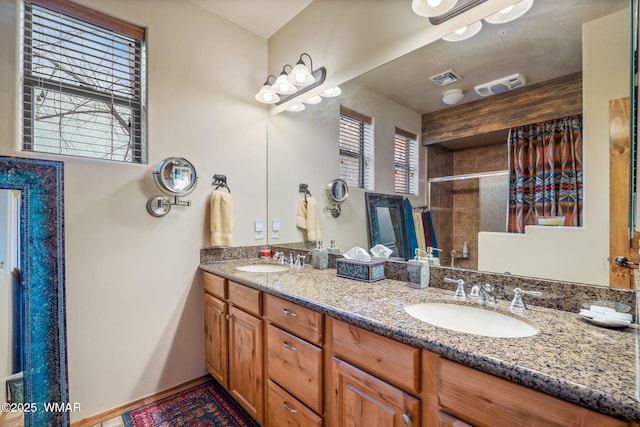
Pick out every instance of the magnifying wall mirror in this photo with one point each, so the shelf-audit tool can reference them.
(176, 177)
(337, 192)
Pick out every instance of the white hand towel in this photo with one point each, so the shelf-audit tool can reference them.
(221, 210)
(313, 221)
(301, 214)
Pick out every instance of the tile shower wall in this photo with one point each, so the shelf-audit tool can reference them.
(455, 206)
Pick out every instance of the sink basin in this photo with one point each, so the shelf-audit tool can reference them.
(471, 320)
(263, 268)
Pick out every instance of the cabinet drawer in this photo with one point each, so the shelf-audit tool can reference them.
(285, 410)
(395, 362)
(300, 321)
(214, 285)
(484, 399)
(245, 298)
(295, 365)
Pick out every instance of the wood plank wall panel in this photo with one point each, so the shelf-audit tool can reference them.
(542, 101)
(619, 151)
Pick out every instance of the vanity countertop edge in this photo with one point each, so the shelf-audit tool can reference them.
(568, 358)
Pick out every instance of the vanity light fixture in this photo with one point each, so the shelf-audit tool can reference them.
(316, 99)
(332, 92)
(452, 96)
(464, 33)
(510, 13)
(429, 8)
(296, 107)
(267, 94)
(292, 82)
(283, 85)
(300, 75)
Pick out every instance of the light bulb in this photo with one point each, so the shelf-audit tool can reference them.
(434, 3)
(284, 87)
(267, 96)
(507, 9)
(461, 30)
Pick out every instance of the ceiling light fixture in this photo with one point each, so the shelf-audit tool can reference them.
(510, 13)
(296, 107)
(429, 8)
(464, 33)
(452, 96)
(292, 82)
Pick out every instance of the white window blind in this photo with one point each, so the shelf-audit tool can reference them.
(83, 83)
(406, 162)
(356, 149)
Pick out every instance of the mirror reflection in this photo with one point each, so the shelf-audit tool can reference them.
(548, 43)
(12, 323)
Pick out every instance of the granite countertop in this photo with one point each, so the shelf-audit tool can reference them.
(569, 358)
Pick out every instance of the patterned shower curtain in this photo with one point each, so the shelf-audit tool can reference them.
(545, 172)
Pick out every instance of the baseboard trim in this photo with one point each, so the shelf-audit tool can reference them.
(121, 409)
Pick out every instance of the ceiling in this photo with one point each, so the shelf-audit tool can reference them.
(262, 17)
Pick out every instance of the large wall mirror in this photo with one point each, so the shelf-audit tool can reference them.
(34, 324)
(544, 44)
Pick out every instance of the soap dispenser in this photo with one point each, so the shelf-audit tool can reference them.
(418, 271)
(319, 257)
(332, 249)
(431, 258)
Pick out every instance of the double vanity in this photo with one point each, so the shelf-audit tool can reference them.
(298, 346)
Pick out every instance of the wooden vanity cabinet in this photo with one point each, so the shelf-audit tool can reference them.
(246, 380)
(322, 371)
(294, 363)
(375, 381)
(216, 330)
(216, 348)
(486, 400)
(234, 341)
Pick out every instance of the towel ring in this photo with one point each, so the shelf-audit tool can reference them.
(304, 188)
(220, 181)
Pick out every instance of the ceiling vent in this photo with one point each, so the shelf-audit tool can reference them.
(446, 78)
(502, 85)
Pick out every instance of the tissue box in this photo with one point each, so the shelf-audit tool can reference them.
(360, 270)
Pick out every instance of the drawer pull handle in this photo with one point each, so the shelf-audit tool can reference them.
(406, 419)
(289, 346)
(293, 411)
(289, 312)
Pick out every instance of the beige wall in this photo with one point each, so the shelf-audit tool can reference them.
(568, 253)
(134, 295)
(303, 148)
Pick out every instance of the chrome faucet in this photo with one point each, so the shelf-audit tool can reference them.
(300, 260)
(279, 256)
(460, 293)
(486, 295)
(518, 303)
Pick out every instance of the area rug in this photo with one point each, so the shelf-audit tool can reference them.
(205, 405)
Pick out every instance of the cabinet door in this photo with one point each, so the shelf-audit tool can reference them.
(215, 339)
(245, 362)
(364, 400)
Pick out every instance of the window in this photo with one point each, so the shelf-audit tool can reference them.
(83, 83)
(406, 162)
(356, 149)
